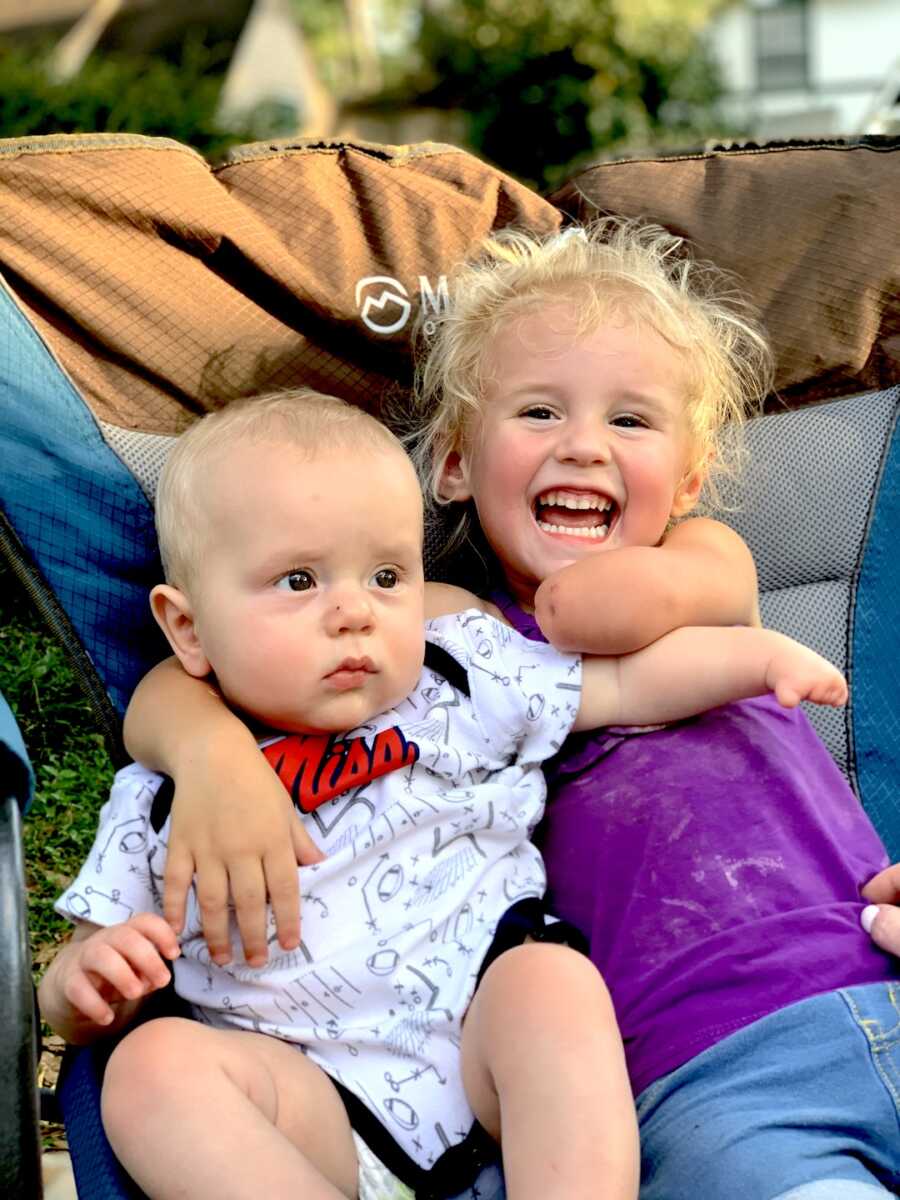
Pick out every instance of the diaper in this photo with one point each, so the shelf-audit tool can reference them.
(376, 1182)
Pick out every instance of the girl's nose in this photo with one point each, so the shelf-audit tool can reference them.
(349, 611)
(583, 442)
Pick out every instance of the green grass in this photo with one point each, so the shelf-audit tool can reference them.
(73, 774)
(71, 765)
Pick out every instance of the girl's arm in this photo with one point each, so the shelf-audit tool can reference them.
(233, 824)
(617, 602)
(693, 669)
(102, 976)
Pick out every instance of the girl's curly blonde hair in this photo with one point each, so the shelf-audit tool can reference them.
(614, 269)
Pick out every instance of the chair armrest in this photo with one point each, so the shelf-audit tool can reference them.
(20, 1158)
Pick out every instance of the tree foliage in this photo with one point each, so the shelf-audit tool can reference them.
(117, 93)
(549, 82)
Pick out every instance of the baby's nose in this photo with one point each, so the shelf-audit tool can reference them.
(350, 611)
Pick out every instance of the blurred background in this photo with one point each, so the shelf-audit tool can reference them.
(537, 87)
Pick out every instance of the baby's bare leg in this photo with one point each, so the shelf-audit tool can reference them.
(545, 1073)
(194, 1112)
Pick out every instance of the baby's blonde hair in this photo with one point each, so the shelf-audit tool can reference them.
(302, 417)
(613, 269)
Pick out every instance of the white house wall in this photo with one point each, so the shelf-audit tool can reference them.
(853, 47)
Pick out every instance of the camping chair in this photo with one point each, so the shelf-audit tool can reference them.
(141, 288)
(18, 1106)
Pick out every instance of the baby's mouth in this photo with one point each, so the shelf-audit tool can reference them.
(586, 515)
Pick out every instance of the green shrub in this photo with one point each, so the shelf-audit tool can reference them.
(117, 93)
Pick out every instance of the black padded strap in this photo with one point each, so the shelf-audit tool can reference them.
(162, 803)
(437, 659)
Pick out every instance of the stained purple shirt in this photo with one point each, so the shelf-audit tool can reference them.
(715, 867)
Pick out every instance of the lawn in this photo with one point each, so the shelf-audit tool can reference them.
(72, 770)
(71, 765)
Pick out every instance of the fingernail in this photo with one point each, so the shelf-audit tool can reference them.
(867, 917)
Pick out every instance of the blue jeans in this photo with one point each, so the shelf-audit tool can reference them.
(801, 1105)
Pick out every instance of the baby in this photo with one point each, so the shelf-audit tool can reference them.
(437, 1012)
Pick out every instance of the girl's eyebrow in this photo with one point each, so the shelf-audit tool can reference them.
(528, 388)
(649, 400)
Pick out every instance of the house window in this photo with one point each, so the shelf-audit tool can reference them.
(782, 45)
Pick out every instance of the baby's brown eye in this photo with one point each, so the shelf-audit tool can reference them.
(297, 581)
(387, 578)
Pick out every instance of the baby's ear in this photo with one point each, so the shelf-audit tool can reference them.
(175, 617)
(688, 492)
(454, 481)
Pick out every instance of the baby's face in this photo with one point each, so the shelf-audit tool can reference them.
(310, 604)
(582, 446)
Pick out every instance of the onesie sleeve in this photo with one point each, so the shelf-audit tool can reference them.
(525, 693)
(120, 876)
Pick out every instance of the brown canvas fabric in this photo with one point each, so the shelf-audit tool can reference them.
(165, 288)
(812, 231)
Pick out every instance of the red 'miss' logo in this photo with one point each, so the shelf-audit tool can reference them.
(315, 767)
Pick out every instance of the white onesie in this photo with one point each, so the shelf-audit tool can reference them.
(425, 815)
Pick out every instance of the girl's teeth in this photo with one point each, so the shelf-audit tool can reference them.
(557, 500)
(593, 531)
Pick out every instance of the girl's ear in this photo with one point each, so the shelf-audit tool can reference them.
(175, 617)
(454, 478)
(688, 492)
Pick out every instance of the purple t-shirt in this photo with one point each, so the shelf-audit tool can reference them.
(715, 866)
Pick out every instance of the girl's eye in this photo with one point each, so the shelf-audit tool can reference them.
(629, 421)
(386, 578)
(538, 412)
(296, 581)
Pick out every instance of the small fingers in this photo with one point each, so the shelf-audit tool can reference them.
(284, 893)
(137, 953)
(831, 691)
(884, 888)
(159, 932)
(882, 923)
(123, 965)
(305, 849)
(176, 884)
(212, 899)
(787, 694)
(82, 994)
(248, 890)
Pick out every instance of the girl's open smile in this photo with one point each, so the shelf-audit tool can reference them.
(570, 512)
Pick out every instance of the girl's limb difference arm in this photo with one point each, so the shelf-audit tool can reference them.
(618, 601)
(693, 669)
(881, 917)
(233, 824)
(101, 977)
